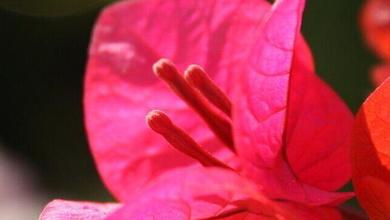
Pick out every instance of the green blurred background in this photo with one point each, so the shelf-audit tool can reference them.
(43, 54)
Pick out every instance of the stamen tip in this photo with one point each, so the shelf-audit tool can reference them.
(194, 74)
(157, 120)
(194, 66)
(164, 68)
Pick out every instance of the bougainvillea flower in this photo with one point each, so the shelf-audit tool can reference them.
(121, 89)
(376, 26)
(376, 29)
(264, 127)
(371, 153)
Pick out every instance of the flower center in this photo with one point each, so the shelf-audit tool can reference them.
(203, 96)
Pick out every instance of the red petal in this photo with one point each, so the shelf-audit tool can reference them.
(301, 212)
(279, 182)
(374, 195)
(290, 211)
(380, 73)
(120, 87)
(70, 210)
(318, 132)
(371, 153)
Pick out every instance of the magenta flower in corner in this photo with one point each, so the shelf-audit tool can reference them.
(248, 132)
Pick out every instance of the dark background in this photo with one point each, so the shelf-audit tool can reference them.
(43, 49)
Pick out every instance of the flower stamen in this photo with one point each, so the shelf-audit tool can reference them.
(219, 124)
(199, 79)
(180, 140)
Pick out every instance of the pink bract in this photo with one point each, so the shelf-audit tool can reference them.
(67, 210)
(297, 132)
(289, 127)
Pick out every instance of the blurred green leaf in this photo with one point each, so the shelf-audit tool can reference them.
(51, 8)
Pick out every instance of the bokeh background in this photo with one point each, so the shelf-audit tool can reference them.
(43, 51)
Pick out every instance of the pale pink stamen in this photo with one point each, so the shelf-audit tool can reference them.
(160, 123)
(199, 79)
(220, 125)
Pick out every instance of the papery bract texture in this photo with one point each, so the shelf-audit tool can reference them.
(317, 136)
(289, 126)
(178, 210)
(221, 194)
(260, 103)
(208, 191)
(371, 153)
(302, 212)
(200, 193)
(120, 87)
(166, 209)
(69, 210)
